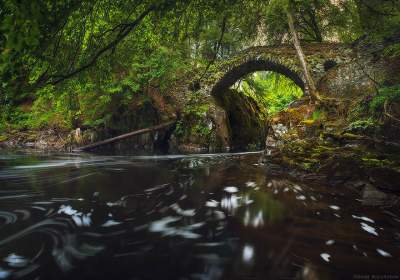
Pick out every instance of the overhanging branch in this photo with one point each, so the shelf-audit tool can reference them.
(221, 37)
(124, 31)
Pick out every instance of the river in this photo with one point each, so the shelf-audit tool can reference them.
(211, 216)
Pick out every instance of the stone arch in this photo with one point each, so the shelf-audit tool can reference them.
(250, 66)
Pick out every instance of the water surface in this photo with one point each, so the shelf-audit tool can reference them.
(221, 216)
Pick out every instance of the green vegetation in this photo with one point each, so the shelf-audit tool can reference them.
(385, 96)
(93, 64)
(193, 122)
(247, 119)
(369, 116)
(381, 20)
(271, 90)
(362, 125)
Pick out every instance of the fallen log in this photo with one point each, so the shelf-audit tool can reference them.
(124, 136)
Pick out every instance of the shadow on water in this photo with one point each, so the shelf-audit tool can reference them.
(215, 216)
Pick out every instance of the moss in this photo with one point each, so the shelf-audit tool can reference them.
(386, 95)
(324, 148)
(364, 126)
(374, 162)
(314, 154)
(247, 119)
(3, 138)
(31, 137)
(308, 122)
(252, 147)
(307, 165)
(293, 116)
(195, 125)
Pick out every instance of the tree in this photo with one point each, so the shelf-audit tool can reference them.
(314, 96)
(287, 7)
(104, 45)
(315, 20)
(379, 18)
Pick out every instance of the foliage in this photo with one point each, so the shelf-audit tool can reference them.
(369, 116)
(88, 63)
(274, 91)
(92, 102)
(386, 95)
(194, 121)
(316, 20)
(362, 125)
(381, 21)
(318, 115)
(161, 69)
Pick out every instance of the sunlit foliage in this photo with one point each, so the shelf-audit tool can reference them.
(271, 89)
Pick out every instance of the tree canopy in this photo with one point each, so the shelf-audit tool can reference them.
(82, 48)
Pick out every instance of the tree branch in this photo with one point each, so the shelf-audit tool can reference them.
(314, 96)
(127, 28)
(223, 28)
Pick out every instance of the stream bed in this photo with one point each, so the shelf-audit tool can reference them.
(211, 216)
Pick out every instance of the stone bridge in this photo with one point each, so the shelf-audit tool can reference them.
(236, 121)
(281, 59)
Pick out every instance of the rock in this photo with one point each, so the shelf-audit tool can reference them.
(270, 142)
(219, 122)
(78, 136)
(279, 130)
(371, 196)
(348, 84)
(385, 179)
(247, 119)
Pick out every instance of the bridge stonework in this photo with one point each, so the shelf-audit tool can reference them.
(282, 59)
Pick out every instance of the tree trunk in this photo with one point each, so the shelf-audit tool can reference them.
(314, 96)
(125, 136)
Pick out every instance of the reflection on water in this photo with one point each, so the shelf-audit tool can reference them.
(220, 216)
(248, 254)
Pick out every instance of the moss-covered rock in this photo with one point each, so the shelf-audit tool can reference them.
(3, 138)
(247, 119)
(202, 125)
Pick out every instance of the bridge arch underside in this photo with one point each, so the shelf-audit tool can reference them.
(246, 120)
(238, 72)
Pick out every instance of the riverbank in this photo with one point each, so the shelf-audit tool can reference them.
(358, 118)
(334, 149)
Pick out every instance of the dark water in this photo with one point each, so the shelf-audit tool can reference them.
(184, 217)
